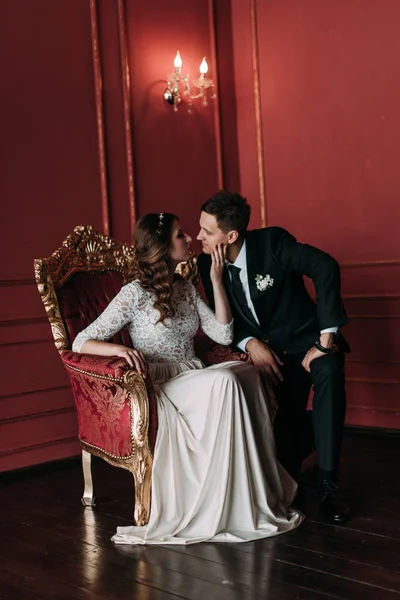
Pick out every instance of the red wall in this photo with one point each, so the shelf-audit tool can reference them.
(81, 147)
(307, 128)
(324, 77)
(175, 158)
(50, 182)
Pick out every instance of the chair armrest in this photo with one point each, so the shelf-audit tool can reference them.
(217, 354)
(108, 395)
(106, 366)
(212, 353)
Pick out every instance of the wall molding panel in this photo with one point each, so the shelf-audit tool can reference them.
(38, 415)
(98, 83)
(258, 112)
(371, 263)
(216, 101)
(43, 445)
(22, 434)
(40, 391)
(370, 296)
(126, 92)
(33, 454)
(21, 281)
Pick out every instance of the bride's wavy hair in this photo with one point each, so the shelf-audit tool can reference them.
(152, 240)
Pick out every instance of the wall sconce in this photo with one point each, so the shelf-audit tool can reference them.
(180, 84)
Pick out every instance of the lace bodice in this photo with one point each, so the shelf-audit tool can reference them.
(171, 341)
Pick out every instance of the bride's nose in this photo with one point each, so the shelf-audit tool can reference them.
(188, 239)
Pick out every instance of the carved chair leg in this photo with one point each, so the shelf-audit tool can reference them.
(88, 498)
(142, 482)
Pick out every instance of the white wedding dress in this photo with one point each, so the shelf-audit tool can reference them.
(215, 475)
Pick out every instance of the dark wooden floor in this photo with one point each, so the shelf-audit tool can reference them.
(53, 548)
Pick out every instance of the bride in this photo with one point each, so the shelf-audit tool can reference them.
(215, 474)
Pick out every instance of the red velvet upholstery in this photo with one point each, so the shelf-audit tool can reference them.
(211, 353)
(103, 413)
(84, 296)
(102, 406)
(110, 366)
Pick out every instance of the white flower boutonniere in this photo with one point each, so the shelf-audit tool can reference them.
(264, 282)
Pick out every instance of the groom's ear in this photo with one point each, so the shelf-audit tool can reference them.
(233, 236)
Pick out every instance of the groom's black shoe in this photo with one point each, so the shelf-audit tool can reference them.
(335, 507)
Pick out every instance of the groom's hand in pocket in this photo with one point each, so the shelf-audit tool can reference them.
(265, 360)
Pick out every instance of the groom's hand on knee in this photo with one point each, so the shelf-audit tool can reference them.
(265, 360)
(327, 341)
(311, 355)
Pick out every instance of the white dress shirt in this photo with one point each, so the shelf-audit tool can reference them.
(241, 263)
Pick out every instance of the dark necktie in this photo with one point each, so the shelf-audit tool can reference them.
(238, 292)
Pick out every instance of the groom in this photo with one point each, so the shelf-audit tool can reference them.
(291, 339)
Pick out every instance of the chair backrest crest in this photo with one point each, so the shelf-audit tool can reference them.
(85, 250)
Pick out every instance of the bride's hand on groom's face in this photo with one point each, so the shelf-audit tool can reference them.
(218, 256)
(265, 360)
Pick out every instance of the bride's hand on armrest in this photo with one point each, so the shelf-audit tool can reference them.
(133, 357)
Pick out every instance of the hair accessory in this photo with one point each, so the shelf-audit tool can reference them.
(160, 222)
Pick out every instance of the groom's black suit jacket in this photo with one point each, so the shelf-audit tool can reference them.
(289, 319)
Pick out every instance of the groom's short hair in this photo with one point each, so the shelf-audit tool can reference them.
(231, 211)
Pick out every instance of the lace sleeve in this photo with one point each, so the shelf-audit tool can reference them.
(118, 313)
(218, 332)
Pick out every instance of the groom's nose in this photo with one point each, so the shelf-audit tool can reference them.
(199, 236)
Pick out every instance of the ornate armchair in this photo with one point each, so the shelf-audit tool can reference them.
(117, 412)
(117, 416)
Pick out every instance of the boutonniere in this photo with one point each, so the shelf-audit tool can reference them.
(264, 282)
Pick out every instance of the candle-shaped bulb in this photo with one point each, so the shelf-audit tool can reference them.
(204, 66)
(178, 61)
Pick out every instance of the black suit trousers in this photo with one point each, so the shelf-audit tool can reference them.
(329, 408)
